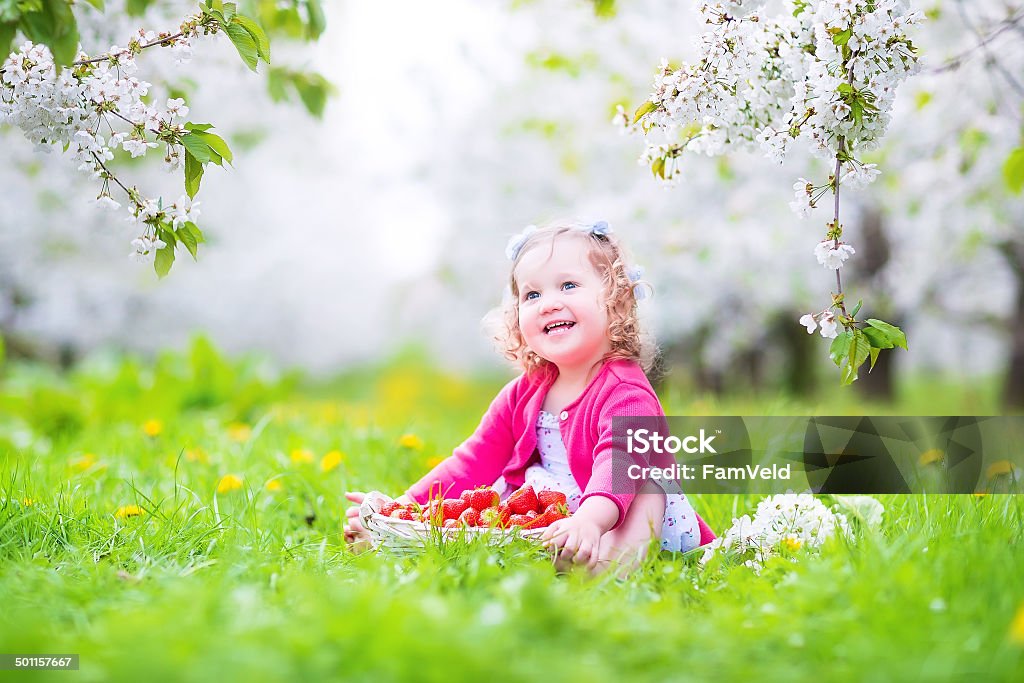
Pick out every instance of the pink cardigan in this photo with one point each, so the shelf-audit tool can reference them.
(505, 442)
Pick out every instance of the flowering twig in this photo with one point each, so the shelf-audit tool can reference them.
(825, 72)
(67, 107)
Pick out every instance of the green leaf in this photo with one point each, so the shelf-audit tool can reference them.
(317, 22)
(229, 9)
(258, 36)
(894, 333)
(313, 93)
(186, 237)
(877, 338)
(53, 24)
(7, 31)
(193, 174)
(196, 232)
(163, 261)
(198, 126)
(1013, 171)
(215, 143)
(312, 88)
(604, 8)
(856, 309)
(658, 168)
(845, 88)
(197, 147)
(840, 347)
(859, 352)
(874, 356)
(98, 4)
(644, 109)
(244, 43)
(136, 8)
(842, 37)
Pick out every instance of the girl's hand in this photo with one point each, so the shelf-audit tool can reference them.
(355, 533)
(579, 539)
(579, 536)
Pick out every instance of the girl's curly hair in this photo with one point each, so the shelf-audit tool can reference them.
(606, 254)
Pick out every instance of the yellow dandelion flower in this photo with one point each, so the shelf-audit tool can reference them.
(28, 502)
(930, 456)
(83, 462)
(301, 456)
(229, 482)
(999, 468)
(331, 460)
(410, 441)
(274, 485)
(980, 494)
(1017, 627)
(434, 461)
(792, 543)
(152, 427)
(196, 455)
(129, 511)
(239, 432)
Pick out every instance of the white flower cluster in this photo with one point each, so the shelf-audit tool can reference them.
(833, 254)
(825, 71)
(829, 326)
(75, 105)
(786, 521)
(94, 107)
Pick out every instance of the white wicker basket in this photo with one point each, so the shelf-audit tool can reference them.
(404, 536)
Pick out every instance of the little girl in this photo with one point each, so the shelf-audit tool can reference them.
(571, 324)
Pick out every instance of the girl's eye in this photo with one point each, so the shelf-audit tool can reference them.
(568, 285)
(531, 295)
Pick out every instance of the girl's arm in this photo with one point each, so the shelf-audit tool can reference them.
(608, 478)
(480, 459)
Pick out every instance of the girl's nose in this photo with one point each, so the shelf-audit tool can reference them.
(551, 303)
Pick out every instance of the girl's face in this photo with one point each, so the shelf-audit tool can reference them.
(562, 312)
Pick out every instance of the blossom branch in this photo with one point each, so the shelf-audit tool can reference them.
(58, 106)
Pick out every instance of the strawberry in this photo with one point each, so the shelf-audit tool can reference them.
(451, 524)
(553, 513)
(532, 514)
(465, 495)
(402, 513)
(451, 508)
(388, 508)
(503, 514)
(522, 500)
(557, 511)
(518, 520)
(432, 513)
(470, 517)
(546, 498)
(491, 517)
(483, 498)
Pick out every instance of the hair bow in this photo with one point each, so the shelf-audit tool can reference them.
(634, 274)
(515, 244)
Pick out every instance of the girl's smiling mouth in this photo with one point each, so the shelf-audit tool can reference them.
(559, 327)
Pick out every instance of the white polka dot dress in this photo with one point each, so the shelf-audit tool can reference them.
(679, 530)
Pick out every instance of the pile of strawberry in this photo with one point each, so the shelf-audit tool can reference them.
(482, 507)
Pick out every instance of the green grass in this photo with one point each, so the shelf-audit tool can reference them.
(256, 584)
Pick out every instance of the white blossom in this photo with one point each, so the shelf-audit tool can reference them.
(784, 522)
(829, 327)
(831, 256)
(808, 321)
